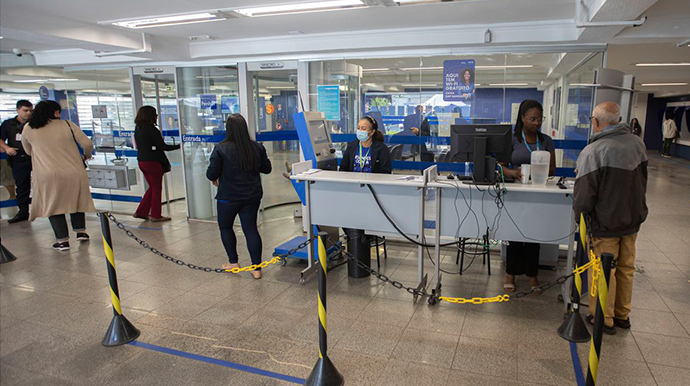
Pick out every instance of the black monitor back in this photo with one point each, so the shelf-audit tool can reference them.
(499, 141)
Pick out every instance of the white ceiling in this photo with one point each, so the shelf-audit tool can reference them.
(67, 32)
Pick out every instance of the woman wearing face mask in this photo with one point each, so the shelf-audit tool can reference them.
(523, 258)
(368, 153)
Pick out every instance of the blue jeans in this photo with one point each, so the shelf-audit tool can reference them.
(248, 211)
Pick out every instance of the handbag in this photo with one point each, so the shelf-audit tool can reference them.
(79, 148)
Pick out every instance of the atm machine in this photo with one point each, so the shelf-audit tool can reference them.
(317, 148)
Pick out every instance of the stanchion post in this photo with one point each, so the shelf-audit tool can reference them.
(5, 255)
(573, 328)
(120, 331)
(602, 291)
(324, 372)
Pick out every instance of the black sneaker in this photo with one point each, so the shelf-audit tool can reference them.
(63, 246)
(622, 323)
(19, 217)
(82, 236)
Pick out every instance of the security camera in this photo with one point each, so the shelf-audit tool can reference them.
(19, 52)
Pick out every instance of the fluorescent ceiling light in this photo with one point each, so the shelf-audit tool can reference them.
(661, 64)
(508, 84)
(162, 21)
(319, 6)
(663, 84)
(44, 80)
(419, 84)
(281, 87)
(504, 67)
(375, 69)
(582, 84)
(421, 68)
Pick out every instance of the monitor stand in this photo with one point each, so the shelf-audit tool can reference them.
(484, 172)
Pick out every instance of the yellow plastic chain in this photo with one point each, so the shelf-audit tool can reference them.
(253, 267)
(495, 299)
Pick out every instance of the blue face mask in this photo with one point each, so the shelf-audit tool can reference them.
(362, 135)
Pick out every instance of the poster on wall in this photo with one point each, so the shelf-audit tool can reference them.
(99, 111)
(328, 101)
(229, 104)
(207, 101)
(458, 80)
(169, 118)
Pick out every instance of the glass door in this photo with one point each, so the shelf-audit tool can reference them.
(276, 101)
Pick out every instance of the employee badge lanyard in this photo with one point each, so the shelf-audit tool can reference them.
(362, 157)
(527, 144)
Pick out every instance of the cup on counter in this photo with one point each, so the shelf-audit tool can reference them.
(540, 166)
(525, 169)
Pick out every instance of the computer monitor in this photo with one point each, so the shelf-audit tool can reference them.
(483, 145)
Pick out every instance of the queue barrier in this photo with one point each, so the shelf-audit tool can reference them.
(121, 331)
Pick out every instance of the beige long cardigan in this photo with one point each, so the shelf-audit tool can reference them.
(59, 182)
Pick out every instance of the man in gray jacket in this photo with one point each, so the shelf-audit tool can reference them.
(611, 186)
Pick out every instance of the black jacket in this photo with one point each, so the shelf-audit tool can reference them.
(380, 157)
(8, 133)
(150, 144)
(611, 182)
(235, 184)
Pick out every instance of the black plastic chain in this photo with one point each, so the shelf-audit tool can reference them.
(155, 251)
(423, 293)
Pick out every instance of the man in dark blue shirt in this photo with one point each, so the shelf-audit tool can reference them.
(11, 143)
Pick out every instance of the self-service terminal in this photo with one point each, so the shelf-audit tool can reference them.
(315, 139)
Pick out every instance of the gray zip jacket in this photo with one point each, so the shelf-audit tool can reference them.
(611, 182)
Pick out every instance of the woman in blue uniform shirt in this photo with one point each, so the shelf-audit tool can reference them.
(523, 258)
(368, 153)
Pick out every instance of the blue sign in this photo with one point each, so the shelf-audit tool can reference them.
(43, 93)
(328, 101)
(207, 101)
(229, 104)
(458, 80)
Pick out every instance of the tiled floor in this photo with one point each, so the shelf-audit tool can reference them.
(54, 310)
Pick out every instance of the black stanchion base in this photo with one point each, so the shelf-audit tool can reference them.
(574, 329)
(325, 374)
(120, 332)
(5, 255)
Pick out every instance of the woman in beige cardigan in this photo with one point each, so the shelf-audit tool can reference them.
(60, 183)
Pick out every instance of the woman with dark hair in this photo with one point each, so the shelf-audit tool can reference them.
(235, 167)
(467, 82)
(635, 127)
(368, 153)
(152, 162)
(523, 258)
(58, 150)
(670, 130)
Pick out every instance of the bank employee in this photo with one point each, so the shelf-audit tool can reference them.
(523, 258)
(368, 153)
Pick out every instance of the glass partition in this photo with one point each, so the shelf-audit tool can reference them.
(206, 96)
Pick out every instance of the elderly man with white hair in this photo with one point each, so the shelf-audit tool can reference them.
(610, 187)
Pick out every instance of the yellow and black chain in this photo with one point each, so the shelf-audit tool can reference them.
(252, 267)
(475, 300)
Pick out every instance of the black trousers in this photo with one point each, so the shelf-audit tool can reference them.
(59, 224)
(666, 149)
(21, 171)
(522, 259)
(248, 211)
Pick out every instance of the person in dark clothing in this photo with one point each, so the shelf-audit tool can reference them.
(152, 162)
(235, 167)
(19, 161)
(523, 258)
(368, 153)
(418, 125)
(635, 127)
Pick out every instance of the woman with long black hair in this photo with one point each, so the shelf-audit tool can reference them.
(153, 163)
(235, 167)
(523, 258)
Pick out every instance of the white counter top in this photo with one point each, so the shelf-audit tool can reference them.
(361, 178)
(550, 186)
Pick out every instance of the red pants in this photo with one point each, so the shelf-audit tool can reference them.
(151, 202)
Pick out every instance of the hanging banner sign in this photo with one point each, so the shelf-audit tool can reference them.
(207, 101)
(458, 80)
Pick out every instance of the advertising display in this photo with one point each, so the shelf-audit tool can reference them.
(458, 80)
(328, 101)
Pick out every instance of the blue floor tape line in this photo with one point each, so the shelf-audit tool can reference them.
(219, 362)
(576, 365)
